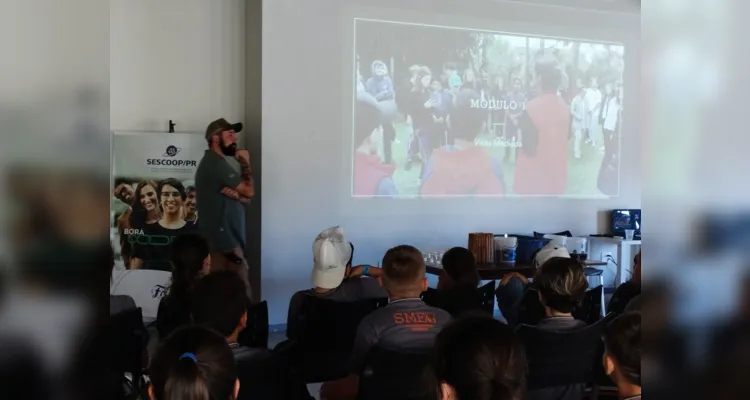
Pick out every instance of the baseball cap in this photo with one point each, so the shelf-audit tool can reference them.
(548, 252)
(331, 252)
(222, 125)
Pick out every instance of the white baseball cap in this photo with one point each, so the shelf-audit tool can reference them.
(551, 250)
(331, 252)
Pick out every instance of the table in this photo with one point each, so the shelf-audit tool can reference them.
(624, 253)
(488, 272)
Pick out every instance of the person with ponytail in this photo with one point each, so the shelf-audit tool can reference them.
(478, 358)
(194, 363)
(190, 261)
(622, 354)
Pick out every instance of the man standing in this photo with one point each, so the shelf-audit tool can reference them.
(221, 194)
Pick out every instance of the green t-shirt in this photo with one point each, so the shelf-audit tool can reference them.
(222, 219)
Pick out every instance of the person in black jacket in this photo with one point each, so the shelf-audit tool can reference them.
(190, 261)
(628, 291)
(220, 303)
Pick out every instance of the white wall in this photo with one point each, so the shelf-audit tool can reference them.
(176, 59)
(306, 65)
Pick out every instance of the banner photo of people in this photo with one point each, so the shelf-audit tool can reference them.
(448, 111)
(153, 195)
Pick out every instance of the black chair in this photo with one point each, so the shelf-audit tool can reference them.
(531, 310)
(394, 376)
(590, 309)
(558, 359)
(256, 333)
(458, 302)
(128, 341)
(265, 375)
(325, 331)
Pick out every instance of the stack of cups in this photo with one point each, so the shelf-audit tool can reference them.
(481, 245)
(505, 248)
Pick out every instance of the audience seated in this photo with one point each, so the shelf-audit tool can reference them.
(561, 284)
(406, 324)
(190, 261)
(333, 276)
(220, 303)
(513, 286)
(628, 291)
(459, 271)
(194, 363)
(622, 355)
(457, 290)
(478, 358)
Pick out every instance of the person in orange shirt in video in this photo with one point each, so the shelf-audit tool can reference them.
(542, 164)
(463, 168)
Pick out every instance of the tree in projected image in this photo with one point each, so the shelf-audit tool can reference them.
(500, 68)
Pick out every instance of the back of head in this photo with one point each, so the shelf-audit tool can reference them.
(561, 283)
(479, 358)
(332, 254)
(193, 363)
(459, 264)
(548, 73)
(467, 118)
(189, 252)
(403, 271)
(622, 338)
(219, 301)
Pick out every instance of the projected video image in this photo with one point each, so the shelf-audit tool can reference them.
(444, 111)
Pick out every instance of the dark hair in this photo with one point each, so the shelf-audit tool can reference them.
(562, 283)
(622, 339)
(219, 301)
(460, 266)
(175, 375)
(188, 253)
(481, 358)
(175, 184)
(467, 119)
(189, 189)
(123, 181)
(546, 68)
(139, 215)
(367, 117)
(403, 267)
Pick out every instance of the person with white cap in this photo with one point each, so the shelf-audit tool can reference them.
(513, 285)
(333, 276)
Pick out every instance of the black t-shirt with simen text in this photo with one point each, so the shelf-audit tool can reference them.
(406, 325)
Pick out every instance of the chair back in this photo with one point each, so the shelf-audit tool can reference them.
(561, 358)
(325, 336)
(393, 375)
(265, 375)
(531, 310)
(127, 344)
(458, 302)
(590, 309)
(256, 333)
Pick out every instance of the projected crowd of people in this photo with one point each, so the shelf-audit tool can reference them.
(484, 114)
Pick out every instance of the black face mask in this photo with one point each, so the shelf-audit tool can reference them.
(230, 150)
